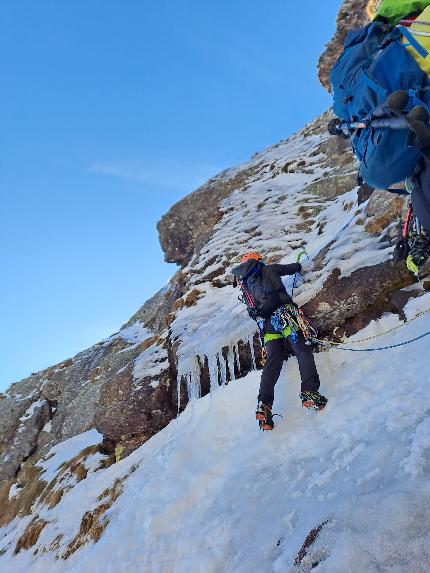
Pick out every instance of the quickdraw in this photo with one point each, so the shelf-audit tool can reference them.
(294, 317)
(263, 359)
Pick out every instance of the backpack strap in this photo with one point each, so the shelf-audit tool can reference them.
(413, 43)
(248, 300)
(382, 92)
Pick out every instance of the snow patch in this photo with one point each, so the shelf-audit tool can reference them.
(65, 451)
(14, 491)
(150, 363)
(47, 427)
(31, 409)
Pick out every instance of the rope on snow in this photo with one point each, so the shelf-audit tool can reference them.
(337, 347)
(341, 345)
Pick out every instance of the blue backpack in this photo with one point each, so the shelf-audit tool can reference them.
(373, 65)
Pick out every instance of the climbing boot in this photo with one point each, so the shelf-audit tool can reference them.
(422, 133)
(419, 251)
(264, 416)
(313, 400)
(418, 113)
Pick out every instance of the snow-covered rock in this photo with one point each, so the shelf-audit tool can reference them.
(342, 491)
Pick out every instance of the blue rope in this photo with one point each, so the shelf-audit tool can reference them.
(372, 349)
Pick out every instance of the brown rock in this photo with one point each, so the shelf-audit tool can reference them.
(30, 535)
(190, 222)
(94, 522)
(127, 409)
(353, 14)
(364, 293)
(24, 441)
(383, 209)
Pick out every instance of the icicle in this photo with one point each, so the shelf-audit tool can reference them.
(230, 362)
(190, 370)
(237, 356)
(194, 390)
(251, 347)
(195, 380)
(178, 392)
(222, 368)
(213, 372)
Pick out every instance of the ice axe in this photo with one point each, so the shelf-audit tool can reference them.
(298, 259)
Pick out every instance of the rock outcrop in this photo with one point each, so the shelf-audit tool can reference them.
(190, 222)
(104, 386)
(352, 14)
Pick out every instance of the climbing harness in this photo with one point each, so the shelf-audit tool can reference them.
(341, 345)
(292, 317)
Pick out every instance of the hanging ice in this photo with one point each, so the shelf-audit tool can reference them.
(251, 347)
(222, 369)
(213, 371)
(236, 357)
(230, 361)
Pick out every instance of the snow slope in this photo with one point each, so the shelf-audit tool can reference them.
(212, 494)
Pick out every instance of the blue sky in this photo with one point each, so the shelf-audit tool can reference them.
(111, 111)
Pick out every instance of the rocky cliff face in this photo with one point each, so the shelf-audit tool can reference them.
(352, 14)
(194, 334)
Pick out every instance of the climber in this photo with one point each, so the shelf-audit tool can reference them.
(267, 303)
(417, 246)
(385, 113)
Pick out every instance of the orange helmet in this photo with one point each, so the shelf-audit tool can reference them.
(250, 256)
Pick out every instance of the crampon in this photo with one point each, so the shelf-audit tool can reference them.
(313, 401)
(264, 416)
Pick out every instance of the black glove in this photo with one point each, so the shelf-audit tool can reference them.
(401, 250)
(333, 128)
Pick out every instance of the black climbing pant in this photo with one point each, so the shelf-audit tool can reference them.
(280, 350)
(421, 195)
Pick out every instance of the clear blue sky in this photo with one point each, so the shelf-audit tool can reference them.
(111, 111)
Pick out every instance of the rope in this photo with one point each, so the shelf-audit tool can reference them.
(398, 327)
(327, 343)
(341, 345)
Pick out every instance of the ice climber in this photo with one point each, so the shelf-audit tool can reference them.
(279, 321)
(381, 97)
